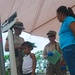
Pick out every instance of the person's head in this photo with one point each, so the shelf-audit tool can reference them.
(52, 35)
(27, 47)
(18, 27)
(63, 12)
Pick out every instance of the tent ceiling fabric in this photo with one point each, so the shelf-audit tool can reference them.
(38, 16)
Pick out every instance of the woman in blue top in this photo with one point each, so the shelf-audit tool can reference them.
(67, 36)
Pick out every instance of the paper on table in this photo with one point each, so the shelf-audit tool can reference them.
(56, 56)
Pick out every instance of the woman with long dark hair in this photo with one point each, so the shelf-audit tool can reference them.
(67, 36)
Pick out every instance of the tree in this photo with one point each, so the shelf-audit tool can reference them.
(41, 63)
(7, 61)
(6, 57)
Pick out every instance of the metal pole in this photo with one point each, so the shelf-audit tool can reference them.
(2, 63)
(12, 53)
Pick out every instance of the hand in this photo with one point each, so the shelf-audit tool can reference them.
(50, 54)
(63, 67)
(62, 63)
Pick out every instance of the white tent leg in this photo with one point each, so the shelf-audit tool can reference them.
(12, 53)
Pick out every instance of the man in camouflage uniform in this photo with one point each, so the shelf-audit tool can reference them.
(18, 27)
(53, 45)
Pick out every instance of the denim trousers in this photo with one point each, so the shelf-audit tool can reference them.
(27, 74)
(69, 56)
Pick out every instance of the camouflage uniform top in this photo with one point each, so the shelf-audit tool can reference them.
(18, 41)
(50, 47)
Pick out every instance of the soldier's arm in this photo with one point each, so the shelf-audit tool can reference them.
(6, 46)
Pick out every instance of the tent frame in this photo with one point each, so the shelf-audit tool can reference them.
(8, 28)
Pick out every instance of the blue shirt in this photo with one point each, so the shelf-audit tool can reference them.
(66, 36)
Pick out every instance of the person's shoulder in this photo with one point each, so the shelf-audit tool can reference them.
(48, 44)
(32, 55)
(57, 43)
(21, 37)
(70, 18)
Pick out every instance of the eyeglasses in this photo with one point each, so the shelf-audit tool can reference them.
(51, 36)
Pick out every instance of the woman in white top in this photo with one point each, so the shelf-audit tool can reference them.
(29, 60)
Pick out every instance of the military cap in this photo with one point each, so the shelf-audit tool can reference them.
(19, 24)
(51, 32)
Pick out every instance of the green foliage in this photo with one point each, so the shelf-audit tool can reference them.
(41, 63)
(6, 57)
(6, 72)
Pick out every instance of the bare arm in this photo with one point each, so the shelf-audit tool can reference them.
(62, 61)
(45, 53)
(33, 64)
(72, 27)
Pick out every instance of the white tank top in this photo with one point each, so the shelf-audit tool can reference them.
(27, 64)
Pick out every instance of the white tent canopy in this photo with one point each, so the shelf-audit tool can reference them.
(38, 16)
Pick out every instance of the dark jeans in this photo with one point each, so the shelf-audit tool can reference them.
(69, 56)
(27, 74)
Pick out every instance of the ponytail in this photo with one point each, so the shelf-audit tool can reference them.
(66, 11)
(71, 13)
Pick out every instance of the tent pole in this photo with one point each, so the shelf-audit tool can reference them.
(12, 53)
(7, 26)
(2, 63)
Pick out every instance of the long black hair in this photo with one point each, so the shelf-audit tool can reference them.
(66, 11)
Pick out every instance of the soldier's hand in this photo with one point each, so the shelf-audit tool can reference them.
(50, 54)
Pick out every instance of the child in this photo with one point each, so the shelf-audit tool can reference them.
(29, 60)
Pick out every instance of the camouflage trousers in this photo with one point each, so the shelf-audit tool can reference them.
(19, 66)
(55, 69)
